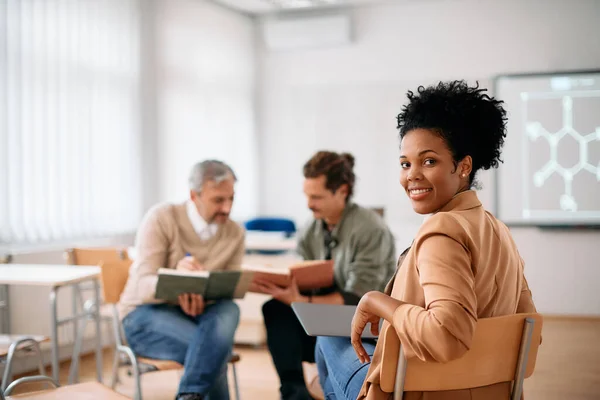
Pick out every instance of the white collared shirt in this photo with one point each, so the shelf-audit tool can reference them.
(205, 231)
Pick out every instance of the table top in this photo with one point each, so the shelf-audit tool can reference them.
(275, 261)
(254, 242)
(52, 275)
(269, 241)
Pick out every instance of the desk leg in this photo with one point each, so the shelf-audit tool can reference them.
(5, 310)
(54, 333)
(98, 330)
(76, 355)
(75, 310)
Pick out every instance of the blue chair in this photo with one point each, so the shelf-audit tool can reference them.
(271, 224)
(267, 224)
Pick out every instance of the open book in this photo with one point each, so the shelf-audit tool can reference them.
(314, 274)
(213, 285)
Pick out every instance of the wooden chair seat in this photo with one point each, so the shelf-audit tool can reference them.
(166, 365)
(7, 340)
(161, 365)
(234, 358)
(80, 391)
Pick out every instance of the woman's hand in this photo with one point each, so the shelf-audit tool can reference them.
(362, 316)
(373, 306)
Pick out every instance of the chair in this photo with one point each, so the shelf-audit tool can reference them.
(89, 256)
(10, 345)
(504, 349)
(268, 224)
(379, 211)
(114, 277)
(80, 391)
(95, 255)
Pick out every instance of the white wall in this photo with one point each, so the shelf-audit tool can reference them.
(347, 98)
(205, 87)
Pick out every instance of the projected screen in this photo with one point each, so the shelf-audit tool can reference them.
(551, 170)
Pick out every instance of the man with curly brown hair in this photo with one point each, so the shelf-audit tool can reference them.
(355, 238)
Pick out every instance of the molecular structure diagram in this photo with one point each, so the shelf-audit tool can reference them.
(535, 130)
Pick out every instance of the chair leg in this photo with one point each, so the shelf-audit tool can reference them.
(115, 371)
(14, 347)
(138, 383)
(235, 382)
(38, 350)
(115, 380)
(400, 375)
(522, 360)
(136, 371)
(7, 375)
(74, 369)
(35, 378)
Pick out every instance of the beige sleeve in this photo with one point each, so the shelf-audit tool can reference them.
(152, 246)
(443, 330)
(238, 255)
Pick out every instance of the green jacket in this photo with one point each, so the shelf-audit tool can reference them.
(362, 248)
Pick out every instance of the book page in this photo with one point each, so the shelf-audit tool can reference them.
(171, 285)
(313, 274)
(182, 272)
(222, 285)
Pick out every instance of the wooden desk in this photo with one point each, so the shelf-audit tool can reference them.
(56, 276)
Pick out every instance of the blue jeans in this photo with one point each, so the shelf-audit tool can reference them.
(340, 373)
(202, 344)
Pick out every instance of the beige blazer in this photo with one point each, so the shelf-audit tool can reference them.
(463, 265)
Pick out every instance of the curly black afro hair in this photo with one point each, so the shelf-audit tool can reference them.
(471, 122)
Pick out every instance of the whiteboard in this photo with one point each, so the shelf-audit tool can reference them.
(551, 170)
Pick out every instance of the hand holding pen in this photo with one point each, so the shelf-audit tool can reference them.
(189, 263)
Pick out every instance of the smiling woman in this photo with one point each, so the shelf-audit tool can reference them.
(448, 133)
(463, 264)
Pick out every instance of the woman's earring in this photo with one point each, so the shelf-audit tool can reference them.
(463, 175)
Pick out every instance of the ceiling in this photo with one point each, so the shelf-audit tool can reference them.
(273, 6)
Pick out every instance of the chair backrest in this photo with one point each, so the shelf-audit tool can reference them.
(113, 275)
(95, 255)
(503, 349)
(267, 224)
(379, 210)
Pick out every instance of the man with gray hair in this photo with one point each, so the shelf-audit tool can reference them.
(199, 236)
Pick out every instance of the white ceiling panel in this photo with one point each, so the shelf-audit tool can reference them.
(274, 6)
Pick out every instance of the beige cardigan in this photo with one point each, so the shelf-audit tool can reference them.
(463, 265)
(165, 236)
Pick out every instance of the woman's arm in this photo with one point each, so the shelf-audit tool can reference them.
(372, 307)
(442, 330)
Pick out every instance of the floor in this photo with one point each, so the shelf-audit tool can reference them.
(568, 367)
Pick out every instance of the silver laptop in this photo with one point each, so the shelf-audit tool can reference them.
(328, 320)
